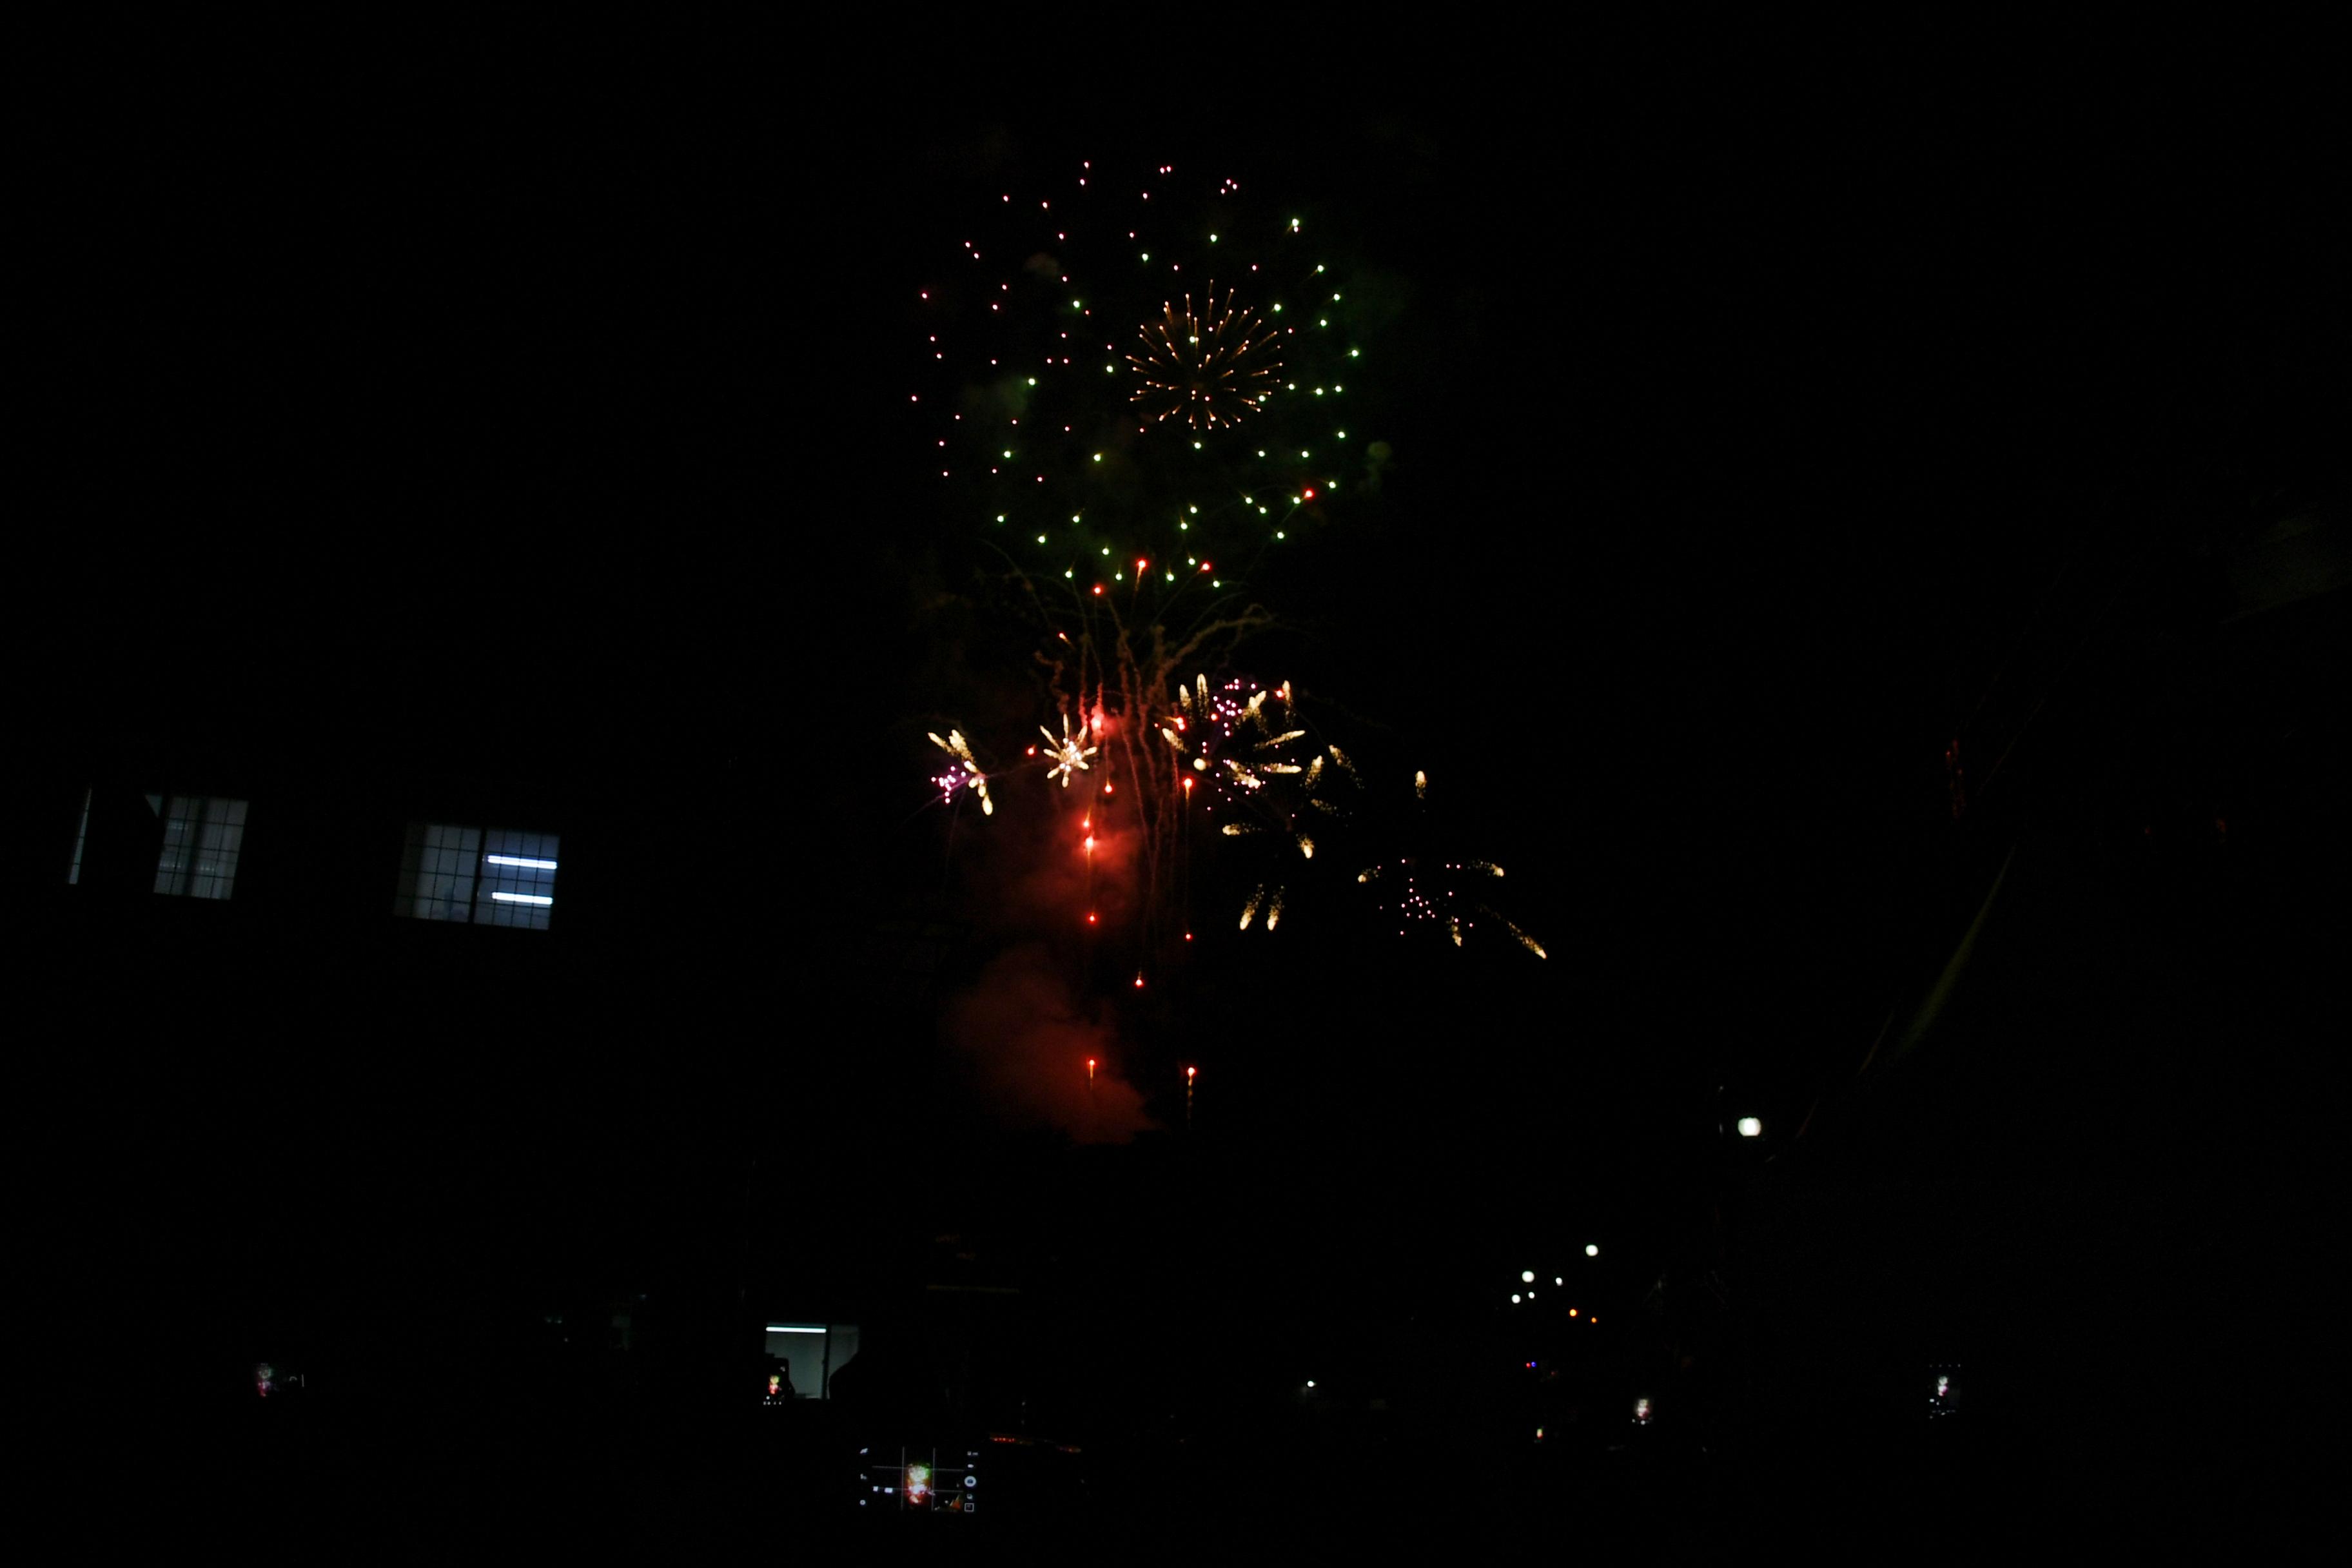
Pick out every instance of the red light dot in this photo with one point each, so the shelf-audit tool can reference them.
(1188, 936)
(1090, 918)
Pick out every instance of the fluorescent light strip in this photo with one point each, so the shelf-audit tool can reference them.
(522, 899)
(792, 1328)
(519, 860)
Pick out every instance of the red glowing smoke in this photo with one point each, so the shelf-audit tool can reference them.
(1024, 1036)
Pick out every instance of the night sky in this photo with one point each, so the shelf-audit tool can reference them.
(1763, 420)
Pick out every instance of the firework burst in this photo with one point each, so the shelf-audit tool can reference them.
(1448, 894)
(1135, 389)
(1210, 370)
(966, 774)
(1069, 753)
(1122, 366)
(1260, 777)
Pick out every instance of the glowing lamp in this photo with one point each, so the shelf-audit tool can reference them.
(1750, 1128)
(1590, 1250)
(1527, 1276)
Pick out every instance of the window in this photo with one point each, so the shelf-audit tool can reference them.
(201, 835)
(493, 875)
(813, 1352)
(81, 837)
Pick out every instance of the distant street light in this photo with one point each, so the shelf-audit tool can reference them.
(1527, 1276)
(1590, 1250)
(1750, 1128)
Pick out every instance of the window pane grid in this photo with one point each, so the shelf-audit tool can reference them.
(485, 876)
(202, 838)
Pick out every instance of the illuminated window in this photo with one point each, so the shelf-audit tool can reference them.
(201, 835)
(813, 1352)
(493, 875)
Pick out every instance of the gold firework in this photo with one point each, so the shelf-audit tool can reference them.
(1212, 369)
(956, 746)
(1069, 752)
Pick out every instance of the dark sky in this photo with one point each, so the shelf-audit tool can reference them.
(1748, 404)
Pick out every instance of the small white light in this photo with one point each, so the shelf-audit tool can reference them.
(522, 899)
(798, 1329)
(1527, 1276)
(519, 860)
(1310, 1383)
(1750, 1128)
(1590, 1250)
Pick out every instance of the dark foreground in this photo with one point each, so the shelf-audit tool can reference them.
(666, 1483)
